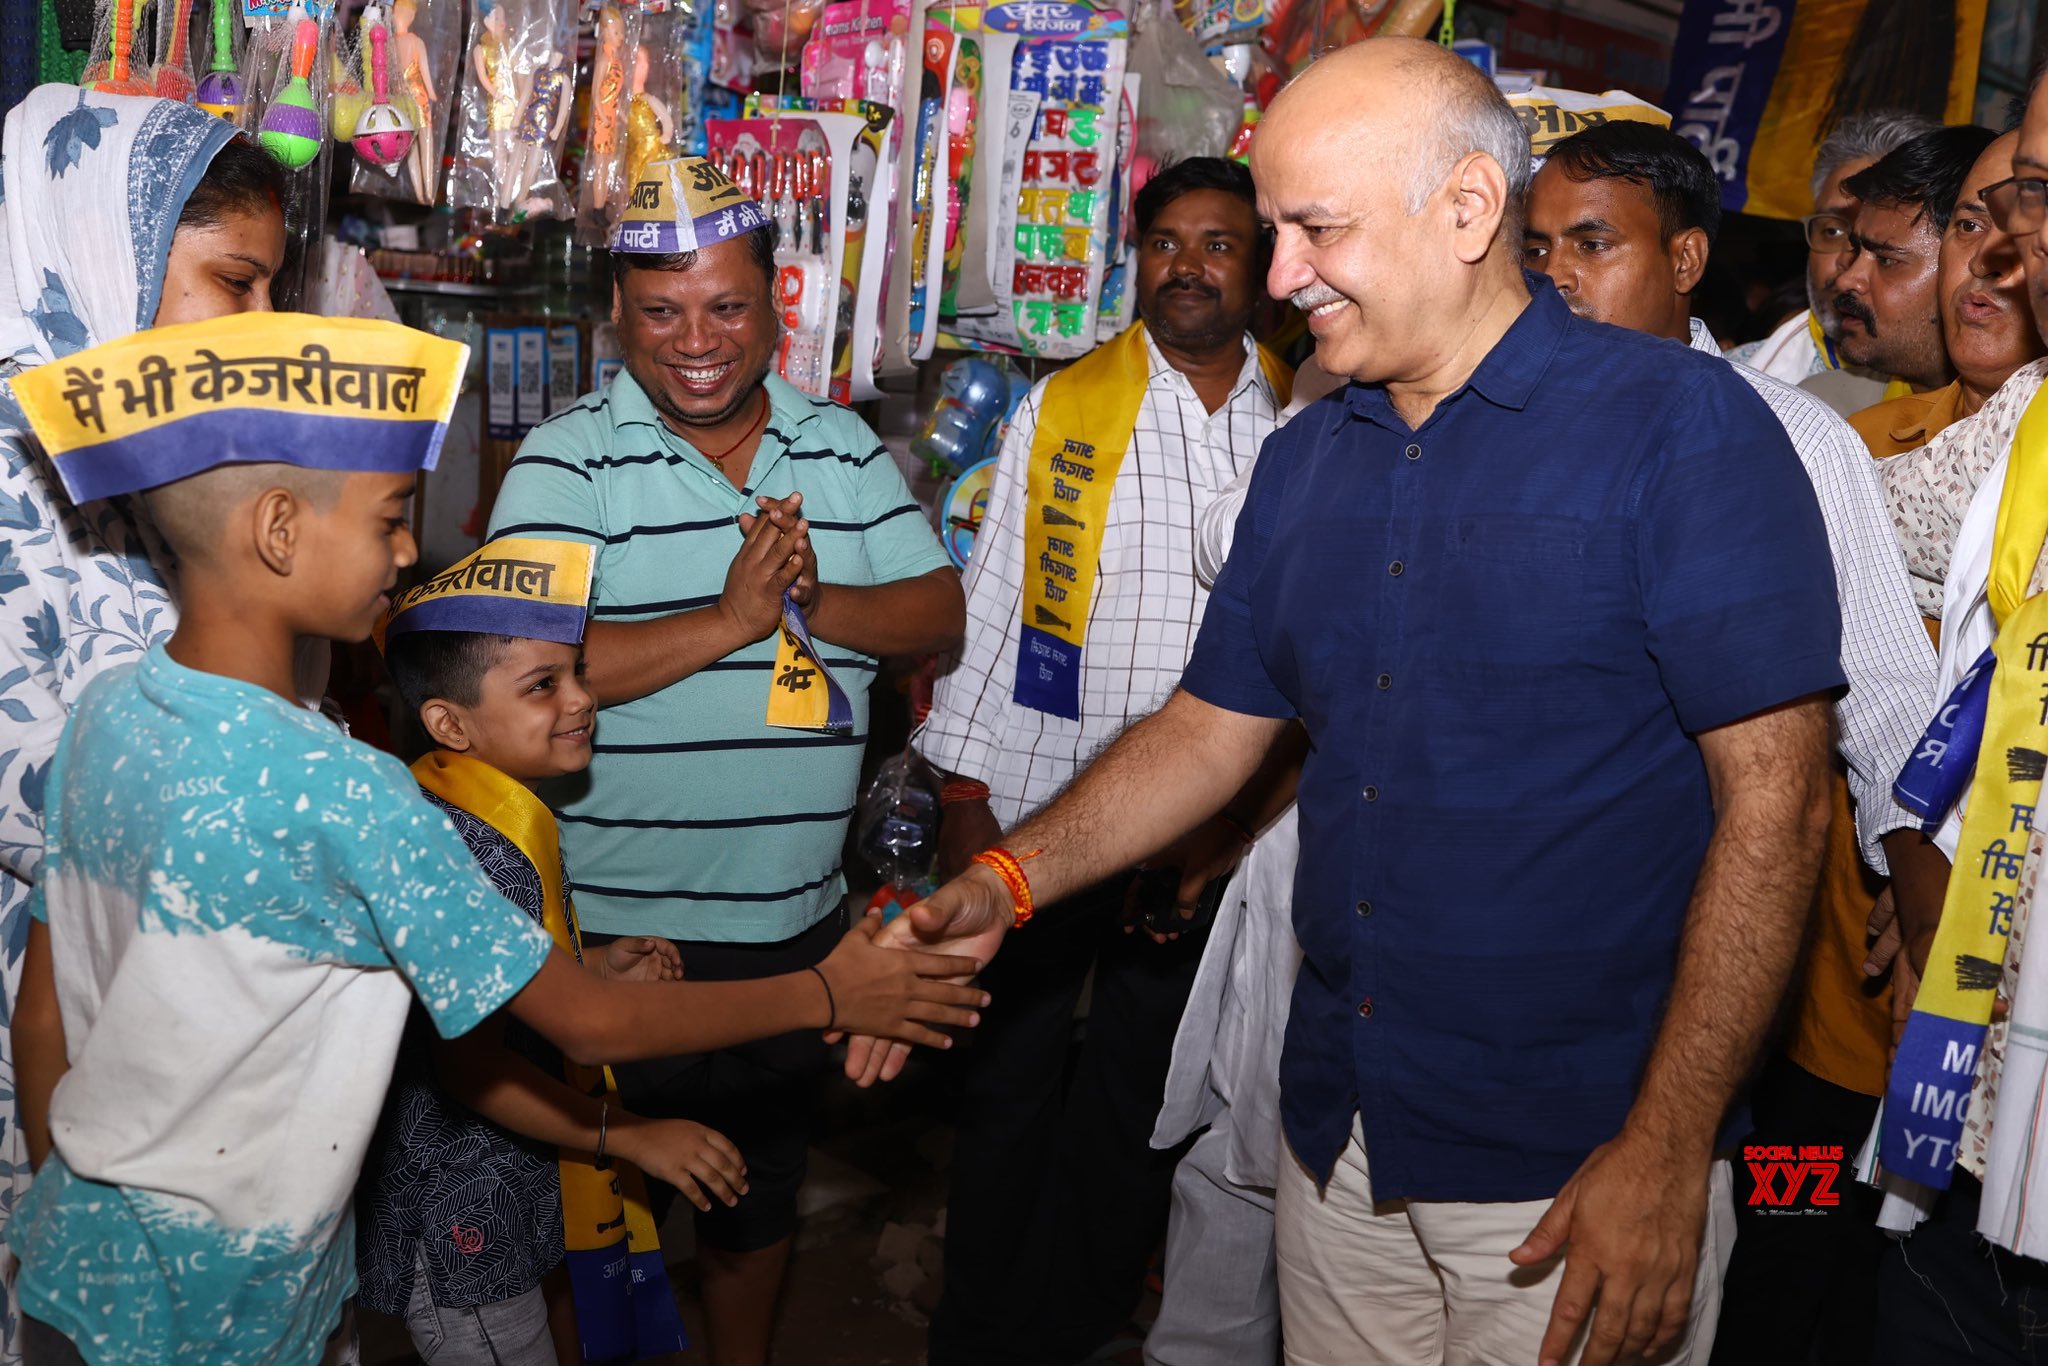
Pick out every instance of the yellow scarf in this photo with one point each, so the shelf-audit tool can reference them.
(608, 1231)
(1931, 1079)
(1084, 430)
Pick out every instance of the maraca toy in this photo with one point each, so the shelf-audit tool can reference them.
(383, 133)
(220, 89)
(118, 79)
(174, 74)
(291, 127)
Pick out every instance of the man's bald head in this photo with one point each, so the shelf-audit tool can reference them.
(1411, 105)
(1393, 173)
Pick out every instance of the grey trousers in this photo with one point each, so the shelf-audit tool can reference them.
(510, 1332)
(1222, 1301)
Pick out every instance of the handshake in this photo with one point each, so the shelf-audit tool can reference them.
(914, 973)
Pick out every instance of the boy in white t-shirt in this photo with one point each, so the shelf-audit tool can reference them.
(238, 903)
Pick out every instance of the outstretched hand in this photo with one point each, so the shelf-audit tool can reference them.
(968, 916)
(907, 994)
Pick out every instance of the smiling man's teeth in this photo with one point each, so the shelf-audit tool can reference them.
(1328, 308)
(703, 376)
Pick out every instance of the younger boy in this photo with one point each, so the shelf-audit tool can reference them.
(464, 1199)
(209, 1008)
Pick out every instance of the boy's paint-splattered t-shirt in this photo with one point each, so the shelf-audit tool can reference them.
(240, 901)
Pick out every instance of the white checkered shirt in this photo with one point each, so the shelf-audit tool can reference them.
(1147, 607)
(1885, 652)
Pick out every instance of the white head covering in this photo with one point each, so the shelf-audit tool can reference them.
(93, 187)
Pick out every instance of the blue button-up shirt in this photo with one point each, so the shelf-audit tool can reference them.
(1502, 631)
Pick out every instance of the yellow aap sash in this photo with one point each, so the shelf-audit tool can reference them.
(623, 1304)
(1084, 430)
(1927, 1097)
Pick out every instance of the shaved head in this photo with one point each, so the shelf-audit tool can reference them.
(193, 513)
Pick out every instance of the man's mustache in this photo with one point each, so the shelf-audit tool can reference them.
(1849, 306)
(1192, 287)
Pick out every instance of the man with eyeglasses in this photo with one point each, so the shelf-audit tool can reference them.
(1804, 345)
(1946, 1294)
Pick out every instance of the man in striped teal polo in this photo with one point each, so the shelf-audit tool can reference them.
(712, 486)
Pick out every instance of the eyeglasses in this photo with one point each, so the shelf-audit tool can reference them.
(2016, 205)
(1826, 233)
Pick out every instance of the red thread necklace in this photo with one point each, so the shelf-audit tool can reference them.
(719, 459)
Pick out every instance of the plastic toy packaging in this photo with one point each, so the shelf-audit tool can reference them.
(1064, 188)
(897, 823)
(781, 28)
(174, 78)
(293, 126)
(518, 87)
(286, 89)
(1191, 108)
(639, 93)
(796, 167)
(973, 396)
(120, 64)
(864, 259)
(418, 40)
(619, 69)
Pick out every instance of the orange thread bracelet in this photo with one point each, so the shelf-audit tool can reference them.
(963, 790)
(1010, 868)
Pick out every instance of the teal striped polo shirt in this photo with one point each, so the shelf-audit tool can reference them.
(697, 819)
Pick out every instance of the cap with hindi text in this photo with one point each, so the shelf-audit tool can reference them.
(344, 394)
(682, 204)
(514, 586)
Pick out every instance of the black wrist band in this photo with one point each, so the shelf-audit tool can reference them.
(831, 1005)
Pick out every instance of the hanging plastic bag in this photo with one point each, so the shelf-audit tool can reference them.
(421, 40)
(1190, 108)
(618, 78)
(120, 65)
(517, 94)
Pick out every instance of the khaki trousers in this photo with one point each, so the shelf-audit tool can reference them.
(1420, 1283)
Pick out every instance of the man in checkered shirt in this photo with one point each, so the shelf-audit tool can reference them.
(1621, 218)
(1057, 1198)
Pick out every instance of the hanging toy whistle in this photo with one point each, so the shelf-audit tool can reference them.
(291, 127)
(220, 89)
(383, 134)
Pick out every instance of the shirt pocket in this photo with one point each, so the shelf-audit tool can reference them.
(1512, 593)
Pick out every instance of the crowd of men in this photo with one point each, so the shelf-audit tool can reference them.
(1584, 659)
(1507, 791)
